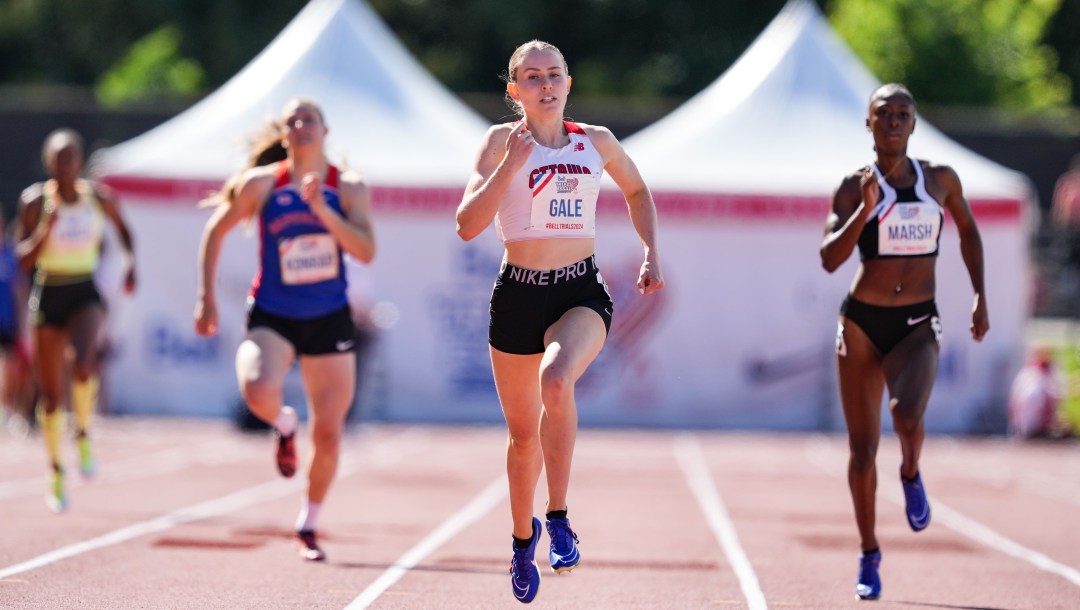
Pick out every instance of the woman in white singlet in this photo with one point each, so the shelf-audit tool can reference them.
(538, 180)
(60, 230)
(889, 331)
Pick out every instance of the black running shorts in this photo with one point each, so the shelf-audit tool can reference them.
(56, 304)
(888, 326)
(330, 334)
(525, 302)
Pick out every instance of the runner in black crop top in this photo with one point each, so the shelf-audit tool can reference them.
(888, 333)
(905, 222)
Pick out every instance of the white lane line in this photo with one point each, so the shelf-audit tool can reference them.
(272, 490)
(692, 461)
(466, 516)
(957, 522)
(211, 453)
(825, 455)
(220, 506)
(998, 464)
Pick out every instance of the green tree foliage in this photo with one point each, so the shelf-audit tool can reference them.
(614, 47)
(972, 52)
(986, 52)
(1064, 37)
(74, 42)
(152, 70)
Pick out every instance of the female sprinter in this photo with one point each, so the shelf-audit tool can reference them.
(889, 332)
(309, 214)
(538, 179)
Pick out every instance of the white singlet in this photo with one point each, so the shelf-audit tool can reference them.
(554, 194)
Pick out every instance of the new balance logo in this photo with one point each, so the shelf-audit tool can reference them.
(579, 146)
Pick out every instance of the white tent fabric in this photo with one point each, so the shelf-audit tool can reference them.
(742, 175)
(788, 118)
(386, 114)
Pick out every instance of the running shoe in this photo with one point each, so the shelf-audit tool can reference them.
(869, 584)
(56, 498)
(309, 547)
(286, 454)
(564, 552)
(524, 575)
(916, 505)
(87, 465)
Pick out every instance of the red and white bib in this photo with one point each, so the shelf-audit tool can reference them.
(554, 195)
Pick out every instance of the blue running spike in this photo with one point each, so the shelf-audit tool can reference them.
(564, 552)
(916, 505)
(869, 584)
(524, 575)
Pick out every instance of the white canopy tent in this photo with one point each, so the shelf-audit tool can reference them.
(387, 115)
(742, 174)
(788, 118)
(411, 139)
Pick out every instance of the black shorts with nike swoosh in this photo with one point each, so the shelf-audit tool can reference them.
(887, 326)
(330, 334)
(525, 302)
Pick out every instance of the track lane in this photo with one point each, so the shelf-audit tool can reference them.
(645, 541)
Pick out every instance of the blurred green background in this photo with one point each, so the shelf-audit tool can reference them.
(1019, 55)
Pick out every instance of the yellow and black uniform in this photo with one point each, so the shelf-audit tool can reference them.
(64, 275)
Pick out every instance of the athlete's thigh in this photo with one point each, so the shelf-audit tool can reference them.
(517, 380)
(263, 356)
(50, 363)
(861, 381)
(330, 383)
(85, 328)
(574, 341)
(910, 369)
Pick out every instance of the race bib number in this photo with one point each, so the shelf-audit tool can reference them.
(565, 203)
(307, 259)
(909, 229)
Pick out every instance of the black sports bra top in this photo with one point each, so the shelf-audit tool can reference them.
(905, 222)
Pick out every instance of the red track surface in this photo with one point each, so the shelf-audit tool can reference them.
(190, 514)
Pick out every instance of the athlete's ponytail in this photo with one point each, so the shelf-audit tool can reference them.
(266, 148)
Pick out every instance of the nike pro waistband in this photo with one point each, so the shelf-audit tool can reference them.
(548, 277)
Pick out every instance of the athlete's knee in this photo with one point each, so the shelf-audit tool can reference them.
(82, 370)
(50, 396)
(906, 422)
(326, 437)
(261, 394)
(863, 455)
(556, 386)
(524, 437)
(49, 403)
